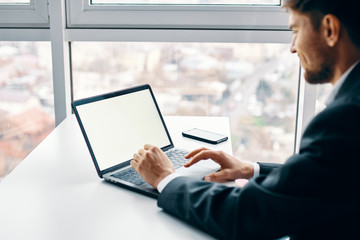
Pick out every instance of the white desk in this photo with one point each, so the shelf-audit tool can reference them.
(55, 192)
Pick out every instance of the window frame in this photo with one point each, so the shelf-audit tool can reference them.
(179, 35)
(30, 15)
(82, 14)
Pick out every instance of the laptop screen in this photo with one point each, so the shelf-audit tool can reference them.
(118, 126)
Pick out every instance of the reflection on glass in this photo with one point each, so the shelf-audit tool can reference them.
(26, 100)
(253, 84)
(248, 2)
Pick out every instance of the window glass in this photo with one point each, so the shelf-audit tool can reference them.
(255, 85)
(263, 2)
(26, 100)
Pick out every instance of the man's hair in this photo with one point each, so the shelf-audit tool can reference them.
(347, 11)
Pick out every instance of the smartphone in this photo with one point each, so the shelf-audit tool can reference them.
(205, 136)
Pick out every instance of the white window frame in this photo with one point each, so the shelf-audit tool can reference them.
(82, 14)
(30, 15)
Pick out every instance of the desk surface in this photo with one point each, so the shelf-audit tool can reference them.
(55, 192)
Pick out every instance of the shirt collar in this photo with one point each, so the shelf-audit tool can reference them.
(339, 84)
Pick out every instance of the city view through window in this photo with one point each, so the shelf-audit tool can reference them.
(26, 100)
(255, 85)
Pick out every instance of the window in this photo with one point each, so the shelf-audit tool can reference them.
(237, 49)
(24, 13)
(14, 1)
(202, 15)
(26, 100)
(253, 84)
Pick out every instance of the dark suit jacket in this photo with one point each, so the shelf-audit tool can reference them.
(314, 195)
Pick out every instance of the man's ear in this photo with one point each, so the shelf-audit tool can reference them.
(331, 27)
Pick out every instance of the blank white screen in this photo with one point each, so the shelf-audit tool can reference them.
(118, 127)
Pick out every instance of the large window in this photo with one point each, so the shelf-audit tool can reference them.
(26, 100)
(255, 85)
(202, 57)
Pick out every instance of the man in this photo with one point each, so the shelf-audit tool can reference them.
(314, 194)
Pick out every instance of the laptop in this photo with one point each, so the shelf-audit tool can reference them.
(116, 125)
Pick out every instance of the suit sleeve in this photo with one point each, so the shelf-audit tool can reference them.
(266, 168)
(295, 198)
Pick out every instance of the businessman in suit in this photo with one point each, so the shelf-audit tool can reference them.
(314, 194)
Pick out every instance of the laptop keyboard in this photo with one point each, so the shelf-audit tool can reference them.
(177, 157)
(130, 175)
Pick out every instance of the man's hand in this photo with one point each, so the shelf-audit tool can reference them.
(231, 168)
(152, 164)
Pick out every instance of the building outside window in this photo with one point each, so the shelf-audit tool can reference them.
(255, 85)
(202, 57)
(26, 100)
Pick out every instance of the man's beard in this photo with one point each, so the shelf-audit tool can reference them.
(324, 75)
(325, 72)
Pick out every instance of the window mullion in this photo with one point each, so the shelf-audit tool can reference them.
(60, 61)
(306, 108)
